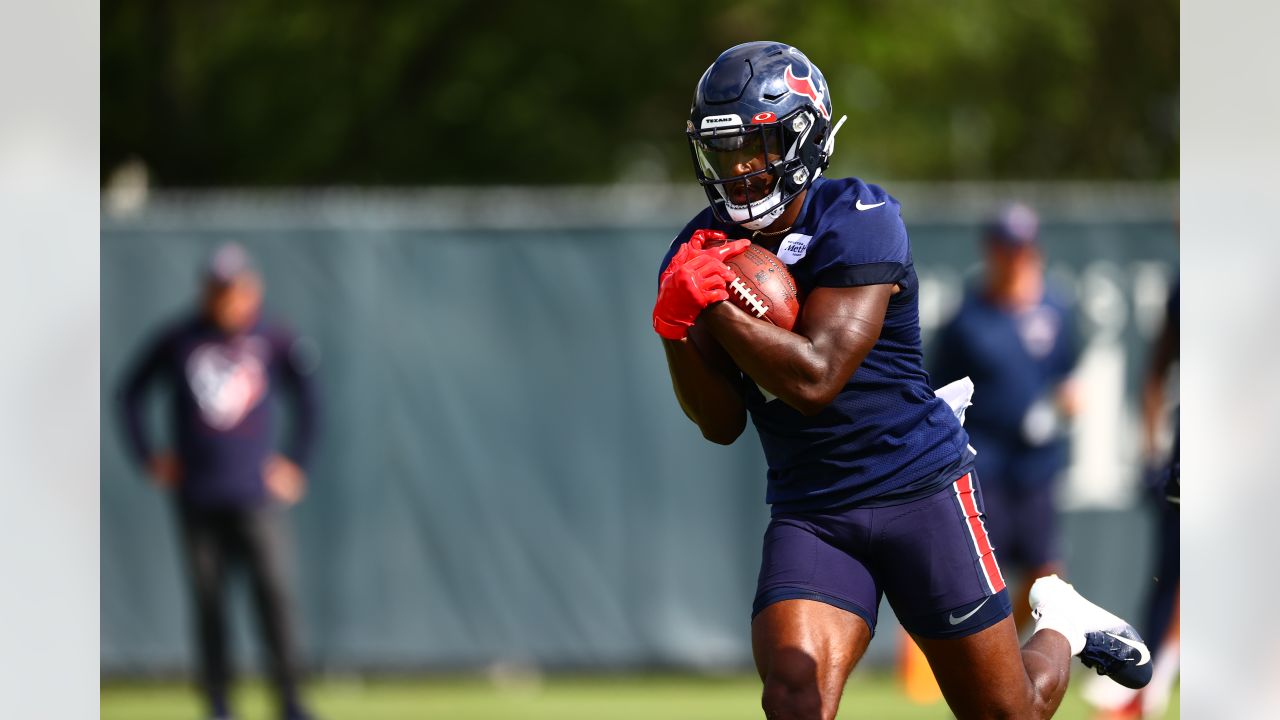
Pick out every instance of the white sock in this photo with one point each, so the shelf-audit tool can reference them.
(1074, 636)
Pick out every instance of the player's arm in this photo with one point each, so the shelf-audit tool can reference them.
(805, 368)
(707, 385)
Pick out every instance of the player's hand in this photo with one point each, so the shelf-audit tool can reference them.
(686, 290)
(698, 244)
(284, 479)
(165, 470)
(724, 249)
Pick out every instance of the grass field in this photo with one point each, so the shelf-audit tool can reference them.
(873, 696)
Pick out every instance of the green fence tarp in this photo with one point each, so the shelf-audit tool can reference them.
(503, 473)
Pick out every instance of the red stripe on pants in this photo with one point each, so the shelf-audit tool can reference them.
(978, 533)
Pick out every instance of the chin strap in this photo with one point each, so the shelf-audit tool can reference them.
(829, 147)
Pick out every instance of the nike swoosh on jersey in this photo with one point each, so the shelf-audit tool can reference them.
(957, 620)
(1141, 648)
(858, 204)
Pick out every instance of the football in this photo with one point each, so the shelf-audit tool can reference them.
(764, 288)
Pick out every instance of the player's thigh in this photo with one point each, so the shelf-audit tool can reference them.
(982, 675)
(937, 565)
(805, 649)
(1001, 518)
(814, 610)
(940, 574)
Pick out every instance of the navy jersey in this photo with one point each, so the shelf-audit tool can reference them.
(221, 407)
(1016, 359)
(885, 438)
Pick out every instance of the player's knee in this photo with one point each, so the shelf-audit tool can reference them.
(790, 697)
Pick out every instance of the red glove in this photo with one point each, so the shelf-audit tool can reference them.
(695, 245)
(694, 279)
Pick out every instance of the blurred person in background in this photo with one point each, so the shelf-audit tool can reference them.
(1164, 476)
(1162, 483)
(1015, 336)
(230, 486)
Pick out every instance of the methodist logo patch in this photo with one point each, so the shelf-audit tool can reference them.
(793, 247)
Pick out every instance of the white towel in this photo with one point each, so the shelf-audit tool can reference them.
(958, 395)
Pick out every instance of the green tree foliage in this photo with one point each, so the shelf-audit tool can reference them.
(258, 92)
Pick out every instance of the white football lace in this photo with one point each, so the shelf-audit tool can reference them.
(757, 305)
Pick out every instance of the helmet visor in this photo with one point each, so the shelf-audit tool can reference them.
(741, 163)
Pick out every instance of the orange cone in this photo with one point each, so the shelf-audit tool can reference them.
(917, 678)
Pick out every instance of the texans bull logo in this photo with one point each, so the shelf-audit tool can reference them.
(227, 380)
(807, 87)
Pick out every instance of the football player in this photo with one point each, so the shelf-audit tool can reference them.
(1162, 477)
(870, 478)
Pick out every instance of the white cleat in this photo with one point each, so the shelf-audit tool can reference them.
(1102, 641)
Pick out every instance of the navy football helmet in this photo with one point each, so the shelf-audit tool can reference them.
(759, 131)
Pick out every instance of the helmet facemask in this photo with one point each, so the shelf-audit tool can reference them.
(751, 172)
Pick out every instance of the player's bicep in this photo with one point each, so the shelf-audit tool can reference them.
(843, 324)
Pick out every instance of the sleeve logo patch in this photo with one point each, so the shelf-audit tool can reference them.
(793, 247)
